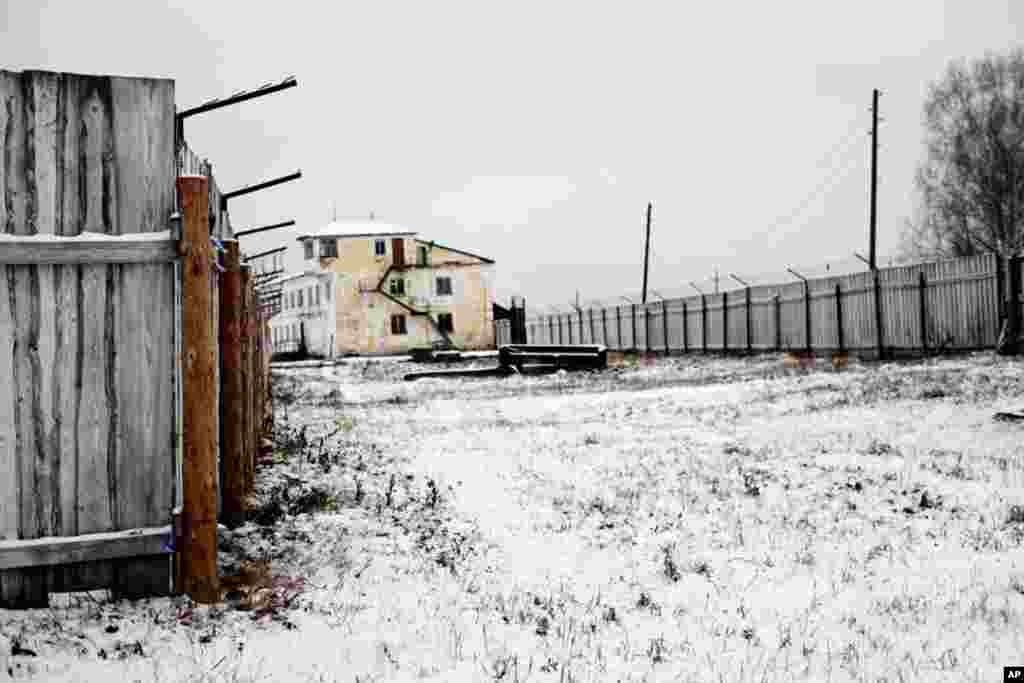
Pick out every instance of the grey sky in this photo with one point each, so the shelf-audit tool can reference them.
(534, 133)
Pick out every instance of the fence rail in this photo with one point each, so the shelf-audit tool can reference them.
(956, 304)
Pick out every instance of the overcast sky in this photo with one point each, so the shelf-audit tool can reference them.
(535, 133)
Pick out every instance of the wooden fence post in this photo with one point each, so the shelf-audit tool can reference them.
(879, 332)
(778, 322)
(839, 317)
(664, 324)
(807, 317)
(231, 396)
(245, 320)
(686, 344)
(568, 325)
(704, 323)
(199, 397)
(604, 326)
(725, 322)
(922, 289)
(750, 334)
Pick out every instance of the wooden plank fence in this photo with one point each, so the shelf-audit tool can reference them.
(91, 399)
(950, 305)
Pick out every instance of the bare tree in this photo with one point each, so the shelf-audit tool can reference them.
(971, 181)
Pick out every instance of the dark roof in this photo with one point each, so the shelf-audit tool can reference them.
(457, 251)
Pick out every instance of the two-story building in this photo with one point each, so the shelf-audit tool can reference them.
(393, 291)
(307, 313)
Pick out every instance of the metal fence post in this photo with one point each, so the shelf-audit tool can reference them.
(839, 317)
(750, 334)
(704, 323)
(807, 317)
(686, 345)
(725, 322)
(636, 342)
(664, 324)
(879, 332)
(922, 289)
(778, 322)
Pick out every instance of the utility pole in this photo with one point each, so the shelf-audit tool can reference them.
(647, 251)
(874, 179)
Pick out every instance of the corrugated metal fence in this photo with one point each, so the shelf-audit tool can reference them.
(951, 305)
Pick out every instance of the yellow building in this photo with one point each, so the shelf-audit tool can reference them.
(393, 291)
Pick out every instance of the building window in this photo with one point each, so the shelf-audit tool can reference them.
(327, 291)
(309, 296)
(445, 322)
(444, 286)
(379, 247)
(317, 290)
(398, 287)
(300, 298)
(328, 248)
(308, 246)
(398, 324)
(421, 256)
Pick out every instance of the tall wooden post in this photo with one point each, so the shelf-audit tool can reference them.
(604, 326)
(232, 397)
(593, 337)
(199, 397)
(246, 347)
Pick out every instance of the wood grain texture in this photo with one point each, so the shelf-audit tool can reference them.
(84, 153)
(232, 396)
(82, 252)
(199, 550)
(57, 550)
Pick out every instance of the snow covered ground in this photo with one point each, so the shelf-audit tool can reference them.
(696, 519)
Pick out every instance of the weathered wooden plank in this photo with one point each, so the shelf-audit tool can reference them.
(9, 472)
(14, 190)
(57, 550)
(144, 199)
(82, 251)
(47, 179)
